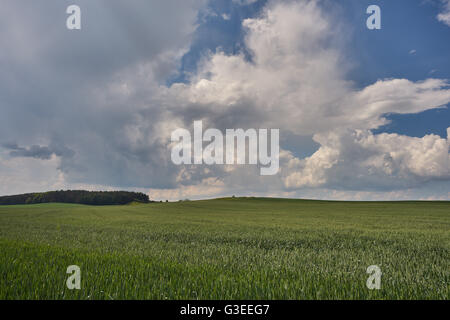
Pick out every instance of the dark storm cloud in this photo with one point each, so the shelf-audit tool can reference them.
(55, 85)
(38, 152)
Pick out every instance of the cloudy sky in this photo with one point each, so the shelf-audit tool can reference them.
(363, 114)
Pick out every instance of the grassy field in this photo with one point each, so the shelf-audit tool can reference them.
(226, 249)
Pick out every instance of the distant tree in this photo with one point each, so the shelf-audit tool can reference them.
(77, 196)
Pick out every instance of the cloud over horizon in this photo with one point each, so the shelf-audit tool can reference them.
(98, 114)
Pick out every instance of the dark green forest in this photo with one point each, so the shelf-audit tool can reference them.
(97, 198)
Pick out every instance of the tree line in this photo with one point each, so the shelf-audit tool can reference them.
(77, 196)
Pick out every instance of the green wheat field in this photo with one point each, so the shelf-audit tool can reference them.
(232, 248)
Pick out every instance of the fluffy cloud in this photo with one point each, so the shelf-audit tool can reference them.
(295, 81)
(444, 16)
(360, 160)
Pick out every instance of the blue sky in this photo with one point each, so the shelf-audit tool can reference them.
(411, 44)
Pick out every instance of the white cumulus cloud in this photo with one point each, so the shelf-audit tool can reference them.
(444, 16)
